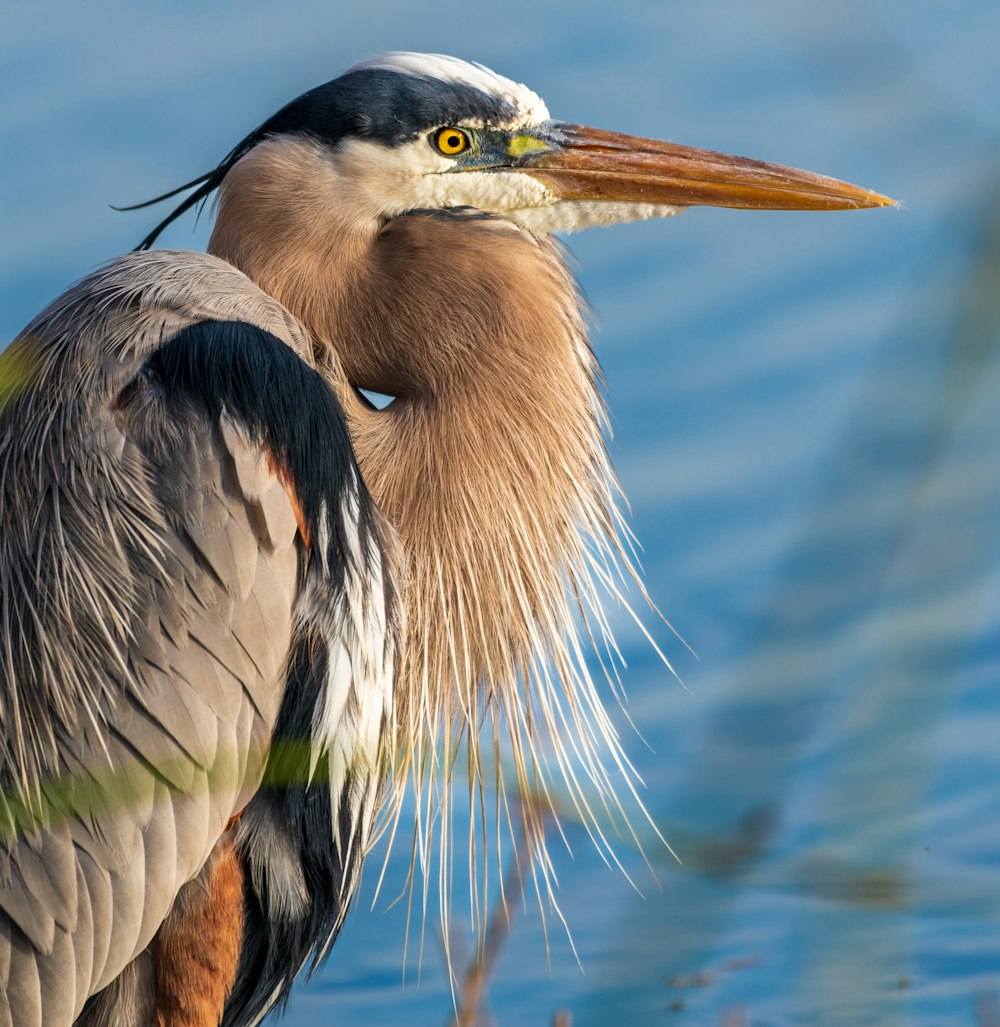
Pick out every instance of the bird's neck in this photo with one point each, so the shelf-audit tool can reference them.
(490, 462)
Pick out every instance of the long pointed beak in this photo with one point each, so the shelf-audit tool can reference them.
(594, 164)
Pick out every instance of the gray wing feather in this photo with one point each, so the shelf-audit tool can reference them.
(24, 988)
(277, 515)
(49, 871)
(187, 588)
(26, 910)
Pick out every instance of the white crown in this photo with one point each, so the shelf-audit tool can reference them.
(530, 107)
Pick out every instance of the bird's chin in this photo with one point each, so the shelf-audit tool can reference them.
(575, 215)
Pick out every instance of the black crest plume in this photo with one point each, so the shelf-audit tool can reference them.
(287, 119)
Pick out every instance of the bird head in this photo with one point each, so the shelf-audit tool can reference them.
(410, 131)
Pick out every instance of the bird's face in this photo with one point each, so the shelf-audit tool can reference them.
(549, 176)
(410, 131)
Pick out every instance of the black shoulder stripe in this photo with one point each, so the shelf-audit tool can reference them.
(288, 408)
(283, 404)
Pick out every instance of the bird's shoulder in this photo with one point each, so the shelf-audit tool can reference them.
(170, 470)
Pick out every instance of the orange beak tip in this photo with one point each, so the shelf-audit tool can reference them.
(878, 200)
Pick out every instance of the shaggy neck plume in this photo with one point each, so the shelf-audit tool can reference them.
(490, 462)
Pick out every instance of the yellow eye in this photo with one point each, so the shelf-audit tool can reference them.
(451, 141)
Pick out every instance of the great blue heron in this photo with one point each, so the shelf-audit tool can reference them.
(210, 536)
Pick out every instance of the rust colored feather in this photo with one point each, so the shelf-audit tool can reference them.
(288, 484)
(196, 950)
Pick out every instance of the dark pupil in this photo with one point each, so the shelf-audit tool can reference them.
(454, 142)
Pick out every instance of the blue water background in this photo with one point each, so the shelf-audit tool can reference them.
(807, 422)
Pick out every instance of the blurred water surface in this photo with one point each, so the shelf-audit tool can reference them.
(807, 423)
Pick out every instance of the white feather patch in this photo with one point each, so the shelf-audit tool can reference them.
(529, 105)
(575, 215)
(358, 691)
